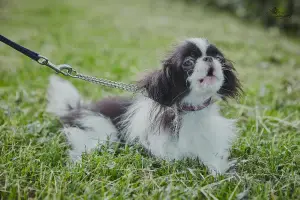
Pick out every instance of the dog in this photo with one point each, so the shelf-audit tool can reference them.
(173, 115)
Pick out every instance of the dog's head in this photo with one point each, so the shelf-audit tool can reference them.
(194, 72)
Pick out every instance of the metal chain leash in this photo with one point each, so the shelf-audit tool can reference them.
(67, 70)
(108, 83)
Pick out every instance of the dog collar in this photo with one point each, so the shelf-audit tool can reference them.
(188, 107)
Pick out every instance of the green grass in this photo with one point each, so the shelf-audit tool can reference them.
(119, 40)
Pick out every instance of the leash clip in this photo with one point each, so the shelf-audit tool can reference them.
(67, 70)
(64, 69)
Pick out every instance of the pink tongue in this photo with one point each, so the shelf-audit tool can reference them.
(208, 79)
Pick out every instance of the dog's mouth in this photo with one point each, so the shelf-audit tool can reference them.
(210, 77)
(208, 80)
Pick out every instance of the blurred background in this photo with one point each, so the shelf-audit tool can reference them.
(284, 14)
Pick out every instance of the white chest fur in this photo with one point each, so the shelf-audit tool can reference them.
(203, 134)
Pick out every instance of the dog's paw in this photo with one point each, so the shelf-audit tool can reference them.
(220, 166)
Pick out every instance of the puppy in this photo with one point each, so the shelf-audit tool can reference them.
(173, 116)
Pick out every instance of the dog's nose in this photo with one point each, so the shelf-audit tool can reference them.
(208, 59)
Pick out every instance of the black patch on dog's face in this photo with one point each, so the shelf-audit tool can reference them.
(213, 51)
(168, 85)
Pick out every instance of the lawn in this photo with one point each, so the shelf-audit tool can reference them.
(119, 40)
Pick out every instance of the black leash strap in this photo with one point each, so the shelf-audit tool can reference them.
(31, 54)
(42, 60)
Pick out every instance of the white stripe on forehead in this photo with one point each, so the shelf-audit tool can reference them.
(201, 43)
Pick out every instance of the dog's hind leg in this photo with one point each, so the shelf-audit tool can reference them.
(92, 130)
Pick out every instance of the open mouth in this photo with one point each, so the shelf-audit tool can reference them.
(209, 78)
(210, 71)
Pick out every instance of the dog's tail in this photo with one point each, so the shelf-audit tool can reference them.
(62, 97)
(84, 128)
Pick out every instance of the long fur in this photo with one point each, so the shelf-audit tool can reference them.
(156, 120)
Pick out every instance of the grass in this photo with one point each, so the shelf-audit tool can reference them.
(119, 40)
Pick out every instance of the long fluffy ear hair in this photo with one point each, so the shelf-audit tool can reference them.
(231, 87)
(158, 86)
(168, 84)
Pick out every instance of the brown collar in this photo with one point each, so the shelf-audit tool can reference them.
(187, 107)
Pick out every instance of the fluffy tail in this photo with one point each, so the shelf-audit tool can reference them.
(62, 96)
(85, 131)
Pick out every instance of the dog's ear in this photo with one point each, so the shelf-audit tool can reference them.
(167, 85)
(231, 87)
(158, 86)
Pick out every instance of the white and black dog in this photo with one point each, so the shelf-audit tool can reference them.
(174, 118)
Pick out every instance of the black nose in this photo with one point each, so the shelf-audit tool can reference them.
(208, 59)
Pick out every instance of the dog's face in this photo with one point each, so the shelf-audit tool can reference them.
(195, 71)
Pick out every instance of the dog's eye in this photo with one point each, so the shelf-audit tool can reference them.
(220, 59)
(189, 62)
